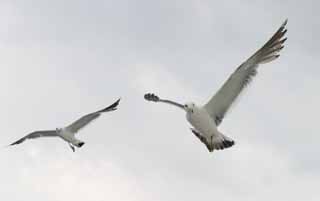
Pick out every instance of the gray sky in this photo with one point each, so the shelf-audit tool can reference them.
(63, 59)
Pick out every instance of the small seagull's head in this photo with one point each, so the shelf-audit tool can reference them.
(189, 107)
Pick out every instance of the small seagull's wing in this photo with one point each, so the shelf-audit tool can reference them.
(37, 134)
(85, 120)
(223, 99)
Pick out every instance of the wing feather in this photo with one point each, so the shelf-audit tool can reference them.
(82, 122)
(243, 75)
(36, 134)
(85, 120)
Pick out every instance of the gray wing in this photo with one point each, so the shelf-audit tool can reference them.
(155, 98)
(37, 134)
(223, 99)
(85, 120)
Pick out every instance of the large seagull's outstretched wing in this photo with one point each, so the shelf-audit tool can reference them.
(85, 120)
(37, 134)
(223, 99)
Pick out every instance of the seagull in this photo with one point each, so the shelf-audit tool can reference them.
(68, 133)
(206, 119)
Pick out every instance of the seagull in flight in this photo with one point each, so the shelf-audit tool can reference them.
(68, 133)
(206, 119)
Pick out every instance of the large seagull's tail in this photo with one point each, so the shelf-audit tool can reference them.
(221, 141)
(215, 142)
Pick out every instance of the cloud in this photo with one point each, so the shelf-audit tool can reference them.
(61, 60)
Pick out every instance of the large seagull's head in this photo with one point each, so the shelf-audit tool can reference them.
(58, 130)
(189, 107)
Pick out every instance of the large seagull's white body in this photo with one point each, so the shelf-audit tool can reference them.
(207, 118)
(68, 133)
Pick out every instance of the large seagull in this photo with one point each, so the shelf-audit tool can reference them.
(206, 119)
(68, 133)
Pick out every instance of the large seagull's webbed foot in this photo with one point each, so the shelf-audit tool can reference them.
(72, 147)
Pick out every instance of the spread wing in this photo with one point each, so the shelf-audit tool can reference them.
(223, 99)
(37, 134)
(85, 120)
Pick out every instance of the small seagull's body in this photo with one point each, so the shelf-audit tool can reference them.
(206, 119)
(69, 137)
(68, 133)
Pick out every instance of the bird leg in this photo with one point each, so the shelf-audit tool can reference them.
(72, 147)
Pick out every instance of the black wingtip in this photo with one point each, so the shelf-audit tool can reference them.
(111, 107)
(151, 97)
(283, 40)
(284, 23)
(16, 142)
(117, 102)
(13, 144)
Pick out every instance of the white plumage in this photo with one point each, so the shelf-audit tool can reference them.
(68, 133)
(207, 118)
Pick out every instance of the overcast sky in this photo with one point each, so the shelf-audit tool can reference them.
(63, 59)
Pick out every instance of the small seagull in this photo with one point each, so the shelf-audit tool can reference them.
(205, 119)
(68, 133)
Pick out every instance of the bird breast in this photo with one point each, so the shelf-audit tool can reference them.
(202, 121)
(66, 135)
